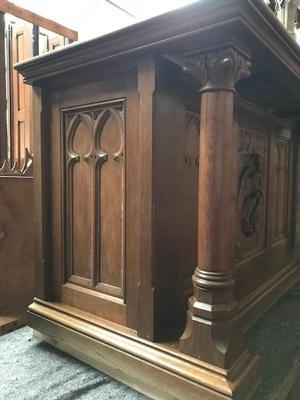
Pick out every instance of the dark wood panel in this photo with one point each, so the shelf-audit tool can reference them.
(252, 193)
(16, 242)
(95, 196)
(78, 199)
(3, 99)
(175, 198)
(22, 37)
(191, 177)
(121, 216)
(279, 170)
(98, 116)
(266, 202)
(112, 186)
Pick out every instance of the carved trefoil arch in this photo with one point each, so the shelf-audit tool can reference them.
(94, 196)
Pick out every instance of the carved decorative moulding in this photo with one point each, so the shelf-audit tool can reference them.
(280, 191)
(251, 193)
(251, 184)
(218, 69)
(212, 280)
(191, 139)
(6, 169)
(94, 170)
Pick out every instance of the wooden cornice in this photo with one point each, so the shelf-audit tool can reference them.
(199, 25)
(35, 19)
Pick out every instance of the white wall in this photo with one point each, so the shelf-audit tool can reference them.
(92, 18)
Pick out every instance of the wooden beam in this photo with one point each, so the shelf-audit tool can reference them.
(35, 19)
(3, 132)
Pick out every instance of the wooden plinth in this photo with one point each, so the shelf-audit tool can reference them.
(12, 319)
(258, 302)
(158, 371)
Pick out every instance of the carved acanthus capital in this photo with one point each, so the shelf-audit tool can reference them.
(215, 70)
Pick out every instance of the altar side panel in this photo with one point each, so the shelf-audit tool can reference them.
(94, 185)
(264, 187)
(176, 166)
(281, 192)
(95, 197)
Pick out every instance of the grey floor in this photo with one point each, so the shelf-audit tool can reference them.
(33, 370)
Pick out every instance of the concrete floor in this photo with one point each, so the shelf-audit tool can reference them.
(33, 370)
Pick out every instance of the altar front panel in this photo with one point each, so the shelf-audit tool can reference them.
(94, 149)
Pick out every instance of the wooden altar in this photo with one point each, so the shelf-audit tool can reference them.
(152, 257)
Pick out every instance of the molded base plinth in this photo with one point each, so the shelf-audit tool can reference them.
(258, 302)
(159, 371)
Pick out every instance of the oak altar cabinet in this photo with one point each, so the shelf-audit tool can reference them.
(142, 272)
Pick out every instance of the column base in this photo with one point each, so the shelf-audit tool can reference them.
(156, 370)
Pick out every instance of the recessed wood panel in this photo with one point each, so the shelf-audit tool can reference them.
(21, 47)
(95, 196)
(21, 139)
(16, 242)
(191, 176)
(111, 218)
(252, 193)
(20, 43)
(79, 196)
(279, 169)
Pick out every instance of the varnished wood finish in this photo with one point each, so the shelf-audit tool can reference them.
(18, 42)
(114, 350)
(260, 135)
(3, 136)
(17, 283)
(124, 126)
(146, 87)
(94, 143)
(103, 264)
(13, 318)
(21, 94)
(212, 308)
(18, 113)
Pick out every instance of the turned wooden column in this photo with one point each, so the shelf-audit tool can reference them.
(212, 333)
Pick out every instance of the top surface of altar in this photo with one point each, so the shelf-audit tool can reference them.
(247, 24)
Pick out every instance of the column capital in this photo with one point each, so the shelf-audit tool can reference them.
(216, 69)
